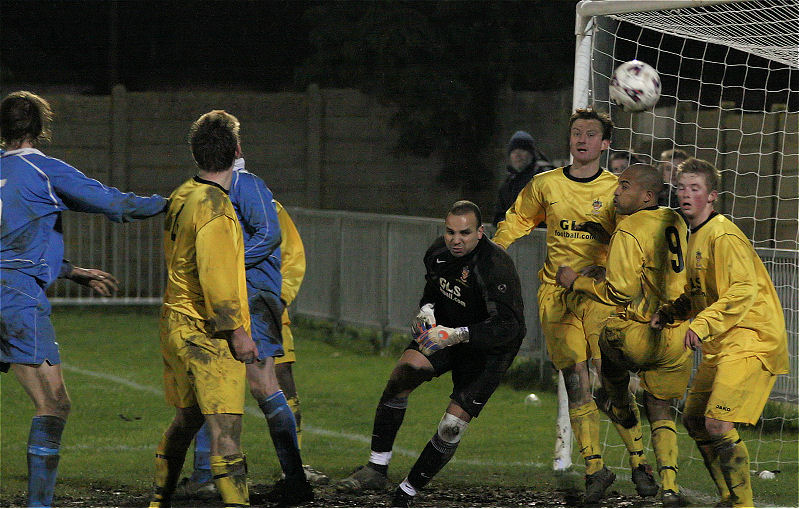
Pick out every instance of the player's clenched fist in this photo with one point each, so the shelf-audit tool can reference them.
(436, 338)
(423, 321)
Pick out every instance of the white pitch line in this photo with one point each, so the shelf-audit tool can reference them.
(256, 412)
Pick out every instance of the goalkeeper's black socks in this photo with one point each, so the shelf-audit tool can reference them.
(388, 419)
(433, 458)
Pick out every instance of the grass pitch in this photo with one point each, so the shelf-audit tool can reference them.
(113, 373)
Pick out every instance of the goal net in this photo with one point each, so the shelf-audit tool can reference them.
(729, 72)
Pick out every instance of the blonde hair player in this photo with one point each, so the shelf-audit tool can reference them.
(737, 322)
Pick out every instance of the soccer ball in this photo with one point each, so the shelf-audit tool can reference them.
(533, 400)
(635, 86)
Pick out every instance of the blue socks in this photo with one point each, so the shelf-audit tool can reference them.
(202, 456)
(283, 431)
(44, 441)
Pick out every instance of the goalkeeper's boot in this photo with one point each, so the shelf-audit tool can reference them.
(625, 417)
(670, 498)
(642, 477)
(363, 478)
(597, 484)
(314, 476)
(401, 498)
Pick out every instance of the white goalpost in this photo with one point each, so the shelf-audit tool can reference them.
(729, 71)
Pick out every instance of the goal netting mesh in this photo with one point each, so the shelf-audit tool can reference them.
(730, 96)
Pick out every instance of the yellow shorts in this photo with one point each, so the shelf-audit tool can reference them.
(663, 364)
(571, 325)
(731, 391)
(288, 341)
(199, 369)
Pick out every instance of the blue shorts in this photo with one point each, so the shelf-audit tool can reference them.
(266, 309)
(26, 333)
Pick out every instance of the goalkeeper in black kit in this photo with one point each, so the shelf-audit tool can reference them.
(470, 323)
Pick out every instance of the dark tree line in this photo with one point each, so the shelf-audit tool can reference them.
(442, 64)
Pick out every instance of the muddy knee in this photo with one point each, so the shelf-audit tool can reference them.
(405, 377)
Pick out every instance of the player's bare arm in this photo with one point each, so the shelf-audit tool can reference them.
(596, 229)
(100, 281)
(691, 340)
(242, 346)
(566, 276)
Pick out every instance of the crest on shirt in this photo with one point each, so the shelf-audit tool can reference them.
(596, 206)
(698, 259)
(464, 275)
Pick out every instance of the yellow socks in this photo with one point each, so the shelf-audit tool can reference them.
(169, 463)
(230, 476)
(632, 438)
(585, 421)
(294, 406)
(665, 446)
(734, 462)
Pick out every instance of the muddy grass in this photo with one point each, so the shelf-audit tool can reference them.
(97, 495)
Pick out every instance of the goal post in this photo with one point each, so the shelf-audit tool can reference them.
(729, 71)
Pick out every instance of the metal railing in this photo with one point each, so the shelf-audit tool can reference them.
(363, 269)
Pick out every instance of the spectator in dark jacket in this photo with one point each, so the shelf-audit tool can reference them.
(524, 161)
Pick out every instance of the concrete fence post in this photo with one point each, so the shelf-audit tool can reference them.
(118, 173)
(313, 198)
(119, 137)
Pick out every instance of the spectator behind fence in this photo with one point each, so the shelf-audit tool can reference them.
(668, 165)
(34, 190)
(524, 161)
(620, 160)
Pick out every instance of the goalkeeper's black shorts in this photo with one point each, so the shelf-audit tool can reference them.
(475, 374)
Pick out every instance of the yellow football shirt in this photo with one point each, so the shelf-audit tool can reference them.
(293, 256)
(563, 202)
(646, 265)
(204, 251)
(730, 289)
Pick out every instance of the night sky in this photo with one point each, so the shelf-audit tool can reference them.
(159, 45)
(257, 45)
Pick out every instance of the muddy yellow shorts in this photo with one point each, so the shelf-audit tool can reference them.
(664, 366)
(199, 369)
(288, 341)
(731, 391)
(571, 325)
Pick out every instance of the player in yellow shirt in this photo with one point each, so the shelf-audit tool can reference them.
(737, 322)
(645, 269)
(566, 198)
(293, 269)
(205, 320)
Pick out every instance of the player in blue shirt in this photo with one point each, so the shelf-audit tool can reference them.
(252, 200)
(34, 190)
